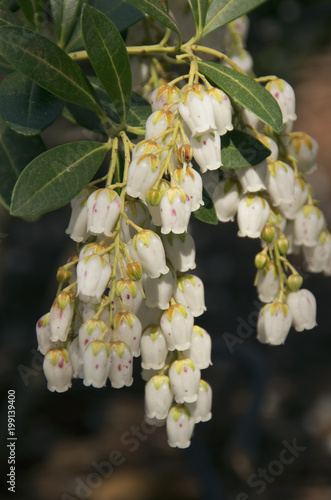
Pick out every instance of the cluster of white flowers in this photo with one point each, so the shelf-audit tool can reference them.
(130, 290)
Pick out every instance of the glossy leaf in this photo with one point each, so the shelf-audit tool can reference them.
(65, 14)
(199, 9)
(108, 56)
(47, 65)
(206, 213)
(245, 91)
(26, 107)
(119, 12)
(222, 12)
(55, 177)
(16, 151)
(241, 150)
(7, 18)
(83, 117)
(155, 9)
(33, 10)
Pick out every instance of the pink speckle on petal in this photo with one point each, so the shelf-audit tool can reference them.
(97, 366)
(60, 365)
(40, 323)
(180, 425)
(204, 143)
(128, 296)
(173, 212)
(119, 368)
(185, 369)
(86, 341)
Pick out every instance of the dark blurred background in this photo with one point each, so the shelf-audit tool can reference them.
(266, 399)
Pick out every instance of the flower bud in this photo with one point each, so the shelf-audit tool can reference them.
(63, 274)
(268, 233)
(283, 245)
(261, 259)
(134, 270)
(294, 282)
(185, 153)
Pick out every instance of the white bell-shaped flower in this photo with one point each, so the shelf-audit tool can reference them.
(153, 201)
(191, 182)
(138, 213)
(244, 60)
(280, 182)
(60, 316)
(130, 294)
(121, 363)
(76, 358)
(157, 123)
(268, 283)
(200, 349)
(90, 330)
(289, 234)
(93, 274)
(166, 96)
(200, 410)
(96, 364)
(43, 331)
(103, 209)
(239, 27)
(253, 213)
(270, 144)
(180, 250)
(290, 209)
(127, 328)
(177, 323)
(151, 254)
(190, 293)
(317, 257)
(285, 97)
(158, 291)
(252, 179)
(77, 228)
(145, 147)
(222, 110)
(304, 149)
(143, 173)
(148, 315)
(179, 426)
(175, 210)
(58, 370)
(184, 379)
(274, 323)
(226, 197)
(207, 151)
(158, 397)
(154, 348)
(302, 305)
(308, 224)
(88, 310)
(251, 122)
(196, 109)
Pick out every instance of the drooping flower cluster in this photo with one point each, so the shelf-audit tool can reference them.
(130, 290)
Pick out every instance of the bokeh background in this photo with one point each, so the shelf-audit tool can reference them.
(263, 396)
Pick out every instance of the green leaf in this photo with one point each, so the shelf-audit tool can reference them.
(33, 10)
(206, 213)
(155, 9)
(119, 12)
(199, 9)
(139, 111)
(55, 177)
(83, 117)
(16, 151)
(47, 65)
(26, 107)
(65, 14)
(108, 56)
(240, 150)
(7, 18)
(246, 91)
(222, 12)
